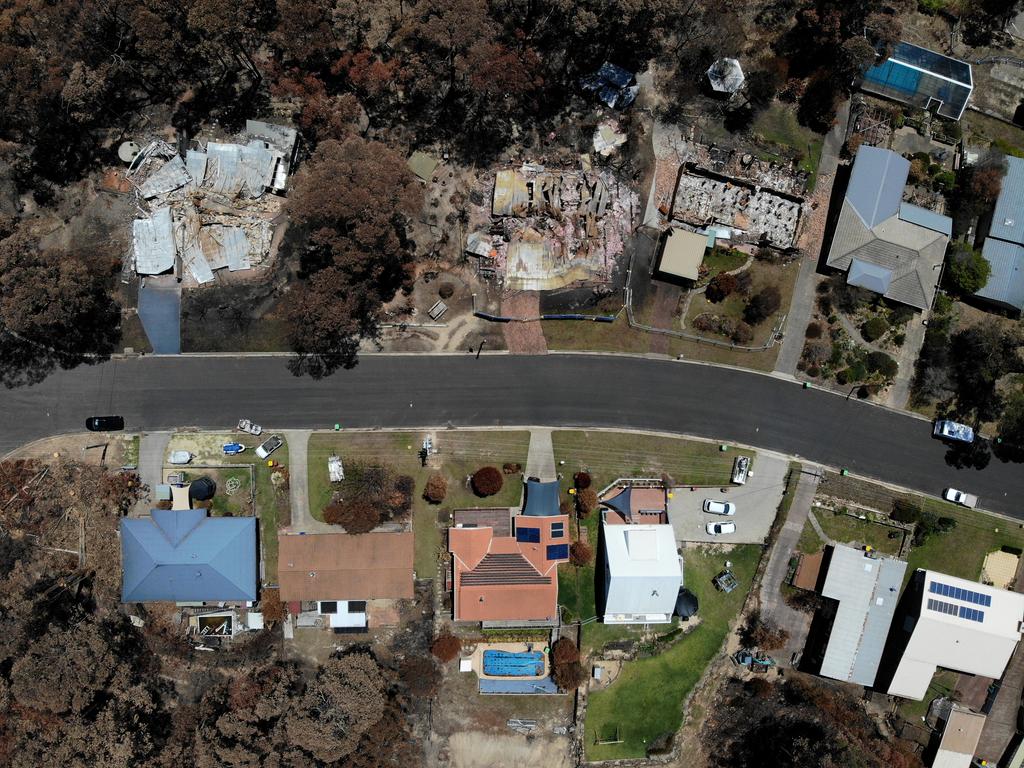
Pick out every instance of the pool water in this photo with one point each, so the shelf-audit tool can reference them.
(508, 664)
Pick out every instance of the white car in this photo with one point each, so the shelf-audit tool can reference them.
(180, 457)
(719, 507)
(961, 498)
(718, 529)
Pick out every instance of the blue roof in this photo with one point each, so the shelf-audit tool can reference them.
(930, 61)
(620, 502)
(876, 184)
(1006, 282)
(188, 557)
(541, 499)
(1008, 218)
(927, 219)
(870, 276)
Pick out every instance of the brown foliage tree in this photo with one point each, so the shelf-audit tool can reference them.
(580, 553)
(436, 488)
(581, 480)
(358, 516)
(271, 605)
(721, 286)
(763, 633)
(487, 481)
(446, 646)
(564, 651)
(763, 305)
(569, 677)
(586, 501)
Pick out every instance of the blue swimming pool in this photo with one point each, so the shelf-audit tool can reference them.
(508, 664)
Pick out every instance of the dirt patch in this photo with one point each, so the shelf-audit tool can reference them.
(478, 750)
(524, 338)
(79, 448)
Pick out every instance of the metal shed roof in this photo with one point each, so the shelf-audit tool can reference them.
(867, 589)
(683, 254)
(1008, 217)
(153, 243)
(1006, 281)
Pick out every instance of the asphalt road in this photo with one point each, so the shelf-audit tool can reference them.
(557, 390)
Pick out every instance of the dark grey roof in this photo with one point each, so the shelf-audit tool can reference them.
(1008, 218)
(876, 184)
(620, 503)
(686, 604)
(541, 499)
(871, 276)
(1006, 282)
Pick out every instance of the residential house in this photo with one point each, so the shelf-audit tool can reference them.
(861, 592)
(951, 623)
(922, 78)
(185, 556)
(643, 571)
(882, 243)
(1003, 249)
(505, 565)
(342, 573)
(961, 733)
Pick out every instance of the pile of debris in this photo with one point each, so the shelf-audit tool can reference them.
(212, 209)
(780, 177)
(546, 228)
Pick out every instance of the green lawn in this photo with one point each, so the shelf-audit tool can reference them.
(645, 701)
(943, 684)
(851, 530)
(610, 455)
(130, 454)
(460, 454)
(720, 259)
(237, 502)
(778, 125)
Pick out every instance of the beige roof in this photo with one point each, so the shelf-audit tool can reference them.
(911, 252)
(683, 253)
(510, 194)
(959, 739)
(339, 566)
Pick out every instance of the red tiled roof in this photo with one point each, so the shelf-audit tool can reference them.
(503, 569)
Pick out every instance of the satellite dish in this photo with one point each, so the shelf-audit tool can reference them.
(128, 151)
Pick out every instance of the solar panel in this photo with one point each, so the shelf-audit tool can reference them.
(528, 535)
(958, 593)
(558, 551)
(971, 614)
(941, 606)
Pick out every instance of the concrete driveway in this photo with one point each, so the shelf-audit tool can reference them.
(756, 505)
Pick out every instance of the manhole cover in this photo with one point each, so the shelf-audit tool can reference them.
(232, 486)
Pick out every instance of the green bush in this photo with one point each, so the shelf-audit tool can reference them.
(968, 269)
(879, 362)
(874, 329)
(856, 371)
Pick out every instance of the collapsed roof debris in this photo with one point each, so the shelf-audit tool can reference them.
(615, 86)
(546, 229)
(754, 214)
(608, 138)
(210, 210)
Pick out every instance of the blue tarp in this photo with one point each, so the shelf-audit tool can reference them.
(615, 86)
(188, 557)
(541, 499)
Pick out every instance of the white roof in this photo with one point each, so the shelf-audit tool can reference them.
(641, 550)
(960, 738)
(868, 589)
(963, 626)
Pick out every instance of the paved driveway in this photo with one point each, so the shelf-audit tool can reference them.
(756, 505)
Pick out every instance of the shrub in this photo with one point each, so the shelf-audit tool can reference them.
(487, 481)
(901, 315)
(582, 480)
(355, 516)
(842, 377)
(857, 371)
(759, 632)
(271, 606)
(580, 553)
(569, 677)
(744, 282)
(968, 269)
(763, 305)
(813, 331)
(445, 290)
(446, 646)
(743, 334)
(586, 501)
(764, 253)
(436, 488)
(720, 287)
(564, 651)
(511, 467)
(420, 676)
(879, 362)
(874, 329)
(899, 339)
(817, 352)
(814, 371)
(564, 508)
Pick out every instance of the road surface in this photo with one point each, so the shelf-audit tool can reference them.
(155, 393)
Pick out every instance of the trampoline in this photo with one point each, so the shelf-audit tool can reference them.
(509, 664)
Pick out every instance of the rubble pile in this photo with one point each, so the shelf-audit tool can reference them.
(210, 210)
(548, 228)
